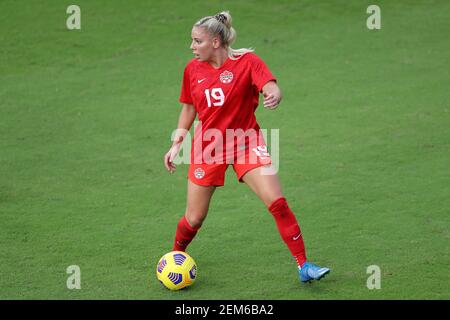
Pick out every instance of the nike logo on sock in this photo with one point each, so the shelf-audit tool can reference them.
(296, 238)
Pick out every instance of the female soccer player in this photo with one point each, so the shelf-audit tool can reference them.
(222, 85)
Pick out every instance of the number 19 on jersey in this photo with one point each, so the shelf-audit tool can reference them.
(216, 95)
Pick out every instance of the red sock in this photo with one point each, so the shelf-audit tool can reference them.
(289, 229)
(184, 235)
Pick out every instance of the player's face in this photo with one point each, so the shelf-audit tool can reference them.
(202, 44)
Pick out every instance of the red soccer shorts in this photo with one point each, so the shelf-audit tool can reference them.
(214, 174)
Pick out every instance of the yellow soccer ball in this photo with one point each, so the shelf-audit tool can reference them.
(176, 270)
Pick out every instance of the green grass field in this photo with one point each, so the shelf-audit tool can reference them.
(86, 117)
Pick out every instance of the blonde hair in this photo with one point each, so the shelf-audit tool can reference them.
(220, 25)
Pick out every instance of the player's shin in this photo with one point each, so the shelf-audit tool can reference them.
(184, 235)
(289, 229)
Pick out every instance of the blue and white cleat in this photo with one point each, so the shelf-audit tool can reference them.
(310, 271)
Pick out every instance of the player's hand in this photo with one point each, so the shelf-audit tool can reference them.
(271, 100)
(272, 95)
(170, 155)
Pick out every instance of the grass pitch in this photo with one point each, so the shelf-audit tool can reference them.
(86, 117)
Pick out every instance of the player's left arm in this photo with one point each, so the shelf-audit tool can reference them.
(272, 95)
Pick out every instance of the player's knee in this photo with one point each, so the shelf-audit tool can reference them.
(195, 220)
(271, 197)
(277, 205)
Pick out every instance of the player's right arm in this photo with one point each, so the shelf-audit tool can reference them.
(185, 120)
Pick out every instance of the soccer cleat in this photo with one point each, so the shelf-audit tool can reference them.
(310, 271)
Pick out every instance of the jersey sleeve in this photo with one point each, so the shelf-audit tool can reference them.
(260, 72)
(186, 96)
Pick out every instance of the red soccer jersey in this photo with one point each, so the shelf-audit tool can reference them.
(227, 97)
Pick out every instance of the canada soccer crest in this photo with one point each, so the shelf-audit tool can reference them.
(199, 173)
(226, 76)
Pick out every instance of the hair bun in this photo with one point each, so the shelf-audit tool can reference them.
(221, 18)
(225, 18)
